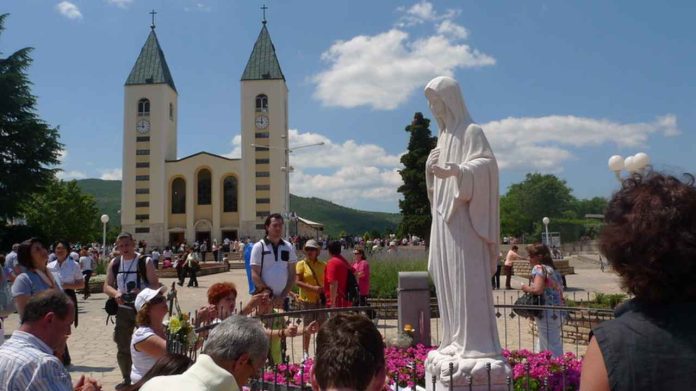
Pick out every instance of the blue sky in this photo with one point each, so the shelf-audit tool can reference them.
(558, 87)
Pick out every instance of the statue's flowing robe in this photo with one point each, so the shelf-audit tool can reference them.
(465, 229)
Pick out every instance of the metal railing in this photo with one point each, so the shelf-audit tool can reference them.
(515, 333)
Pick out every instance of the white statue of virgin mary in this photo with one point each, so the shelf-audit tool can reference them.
(462, 181)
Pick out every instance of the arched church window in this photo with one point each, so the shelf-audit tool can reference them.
(262, 103)
(229, 194)
(171, 111)
(178, 196)
(204, 187)
(143, 107)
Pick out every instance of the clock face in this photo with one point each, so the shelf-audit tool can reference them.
(262, 122)
(143, 126)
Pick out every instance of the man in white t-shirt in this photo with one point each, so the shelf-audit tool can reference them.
(126, 275)
(273, 262)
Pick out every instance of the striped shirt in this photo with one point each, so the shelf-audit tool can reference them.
(27, 363)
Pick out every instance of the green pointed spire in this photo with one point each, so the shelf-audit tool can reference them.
(151, 67)
(263, 63)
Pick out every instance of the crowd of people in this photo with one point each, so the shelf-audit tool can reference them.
(649, 241)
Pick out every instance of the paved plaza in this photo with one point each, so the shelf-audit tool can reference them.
(94, 353)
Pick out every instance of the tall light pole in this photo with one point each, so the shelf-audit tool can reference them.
(287, 168)
(546, 222)
(104, 219)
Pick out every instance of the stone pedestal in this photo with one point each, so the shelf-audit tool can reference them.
(414, 305)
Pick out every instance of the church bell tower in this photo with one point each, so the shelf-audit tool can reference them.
(149, 139)
(264, 127)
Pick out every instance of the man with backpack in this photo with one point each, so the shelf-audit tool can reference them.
(340, 284)
(126, 275)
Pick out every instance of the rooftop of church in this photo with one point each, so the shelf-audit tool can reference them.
(151, 66)
(263, 63)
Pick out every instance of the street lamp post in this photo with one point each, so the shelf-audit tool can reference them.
(104, 219)
(546, 222)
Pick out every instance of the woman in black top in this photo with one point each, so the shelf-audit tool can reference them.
(650, 241)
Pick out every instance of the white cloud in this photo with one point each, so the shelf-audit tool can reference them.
(358, 174)
(69, 10)
(68, 175)
(421, 12)
(352, 186)
(236, 152)
(198, 7)
(545, 143)
(383, 70)
(62, 155)
(120, 3)
(353, 174)
(113, 174)
(453, 30)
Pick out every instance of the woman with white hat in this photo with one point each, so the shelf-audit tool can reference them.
(149, 341)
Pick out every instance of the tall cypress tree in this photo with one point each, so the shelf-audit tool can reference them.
(415, 207)
(28, 146)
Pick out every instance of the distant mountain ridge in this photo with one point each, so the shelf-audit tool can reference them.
(336, 218)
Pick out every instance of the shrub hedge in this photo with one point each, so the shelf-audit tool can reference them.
(384, 276)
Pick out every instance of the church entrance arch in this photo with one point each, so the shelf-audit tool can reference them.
(203, 228)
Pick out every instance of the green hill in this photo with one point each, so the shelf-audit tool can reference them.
(107, 195)
(336, 218)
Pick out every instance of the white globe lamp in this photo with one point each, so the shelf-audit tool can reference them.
(641, 160)
(616, 163)
(629, 164)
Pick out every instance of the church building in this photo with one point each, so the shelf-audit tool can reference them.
(167, 199)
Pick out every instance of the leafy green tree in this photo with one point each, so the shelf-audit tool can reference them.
(526, 203)
(63, 211)
(595, 205)
(415, 206)
(28, 146)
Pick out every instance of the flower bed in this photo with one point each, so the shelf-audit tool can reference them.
(405, 367)
(537, 371)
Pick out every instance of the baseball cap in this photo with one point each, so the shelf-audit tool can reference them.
(311, 243)
(146, 295)
(123, 235)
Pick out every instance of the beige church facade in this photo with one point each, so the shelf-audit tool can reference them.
(167, 199)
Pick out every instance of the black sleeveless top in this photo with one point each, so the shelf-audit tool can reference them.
(650, 347)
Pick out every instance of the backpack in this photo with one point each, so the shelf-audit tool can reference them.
(111, 306)
(352, 288)
(141, 270)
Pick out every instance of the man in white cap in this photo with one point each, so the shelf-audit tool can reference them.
(310, 280)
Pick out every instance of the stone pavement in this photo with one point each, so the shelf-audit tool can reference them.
(94, 353)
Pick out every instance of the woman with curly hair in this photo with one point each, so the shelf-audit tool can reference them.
(650, 241)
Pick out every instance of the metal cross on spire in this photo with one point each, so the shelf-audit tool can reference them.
(153, 13)
(264, 8)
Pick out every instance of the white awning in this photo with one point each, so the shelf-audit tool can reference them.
(311, 223)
